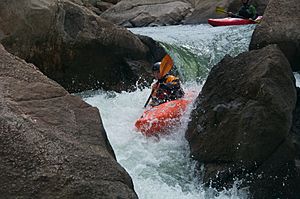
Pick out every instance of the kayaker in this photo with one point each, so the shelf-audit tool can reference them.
(166, 88)
(246, 11)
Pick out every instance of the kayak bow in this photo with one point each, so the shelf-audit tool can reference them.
(230, 21)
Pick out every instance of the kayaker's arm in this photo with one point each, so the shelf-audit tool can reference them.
(155, 86)
(230, 14)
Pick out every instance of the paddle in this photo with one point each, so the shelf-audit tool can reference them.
(165, 66)
(223, 11)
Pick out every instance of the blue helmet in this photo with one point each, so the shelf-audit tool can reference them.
(156, 66)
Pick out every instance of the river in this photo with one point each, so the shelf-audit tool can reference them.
(162, 168)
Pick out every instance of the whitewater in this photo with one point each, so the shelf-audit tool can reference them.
(163, 168)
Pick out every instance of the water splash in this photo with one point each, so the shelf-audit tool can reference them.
(297, 77)
(163, 169)
(197, 48)
(159, 169)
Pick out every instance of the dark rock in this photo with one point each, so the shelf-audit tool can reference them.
(156, 53)
(240, 127)
(112, 1)
(203, 10)
(102, 6)
(280, 25)
(147, 12)
(71, 45)
(295, 130)
(277, 177)
(52, 144)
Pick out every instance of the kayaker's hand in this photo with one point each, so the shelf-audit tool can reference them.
(230, 14)
(155, 86)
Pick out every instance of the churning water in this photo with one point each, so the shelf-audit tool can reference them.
(297, 77)
(197, 48)
(162, 168)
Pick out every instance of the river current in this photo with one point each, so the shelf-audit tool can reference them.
(162, 168)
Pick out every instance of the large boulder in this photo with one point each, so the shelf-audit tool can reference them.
(205, 9)
(137, 13)
(97, 6)
(280, 25)
(52, 143)
(73, 46)
(240, 127)
(295, 130)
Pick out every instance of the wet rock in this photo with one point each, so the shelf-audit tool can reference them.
(245, 113)
(295, 130)
(52, 143)
(71, 45)
(280, 25)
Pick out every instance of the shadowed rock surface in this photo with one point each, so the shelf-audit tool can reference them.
(240, 128)
(97, 6)
(73, 46)
(137, 13)
(295, 130)
(52, 144)
(280, 25)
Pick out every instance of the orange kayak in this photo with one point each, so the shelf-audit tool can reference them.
(158, 119)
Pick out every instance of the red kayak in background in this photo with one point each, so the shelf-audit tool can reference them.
(230, 21)
(158, 119)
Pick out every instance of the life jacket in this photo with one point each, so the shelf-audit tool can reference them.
(169, 79)
(169, 89)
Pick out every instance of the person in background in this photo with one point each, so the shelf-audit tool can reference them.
(166, 88)
(246, 11)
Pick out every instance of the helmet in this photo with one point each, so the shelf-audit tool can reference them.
(156, 66)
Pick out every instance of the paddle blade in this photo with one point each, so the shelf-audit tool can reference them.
(166, 65)
(220, 10)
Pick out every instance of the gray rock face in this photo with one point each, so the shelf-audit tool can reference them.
(280, 25)
(53, 145)
(242, 121)
(137, 13)
(97, 6)
(73, 46)
(205, 9)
